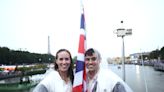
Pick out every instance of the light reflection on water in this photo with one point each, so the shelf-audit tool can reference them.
(137, 69)
(135, 77)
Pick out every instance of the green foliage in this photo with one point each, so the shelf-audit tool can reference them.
(13, 57)
(35, 72)
(74, 59)
(162, 53)
(154, 54)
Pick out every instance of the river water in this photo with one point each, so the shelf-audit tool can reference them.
(139, 78)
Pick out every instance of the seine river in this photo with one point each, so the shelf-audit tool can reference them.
(140, 78)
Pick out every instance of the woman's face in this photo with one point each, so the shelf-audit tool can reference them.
(63, 61)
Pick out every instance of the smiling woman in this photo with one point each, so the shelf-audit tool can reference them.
(64, 64)
(62, 73)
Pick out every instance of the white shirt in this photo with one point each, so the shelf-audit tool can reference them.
(53, 83)
(106, 81)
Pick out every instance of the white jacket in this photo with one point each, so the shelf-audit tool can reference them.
(54, 83)
(107, 80)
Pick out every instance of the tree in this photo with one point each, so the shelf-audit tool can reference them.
(13, 57)
(162, 53)
(154, 54)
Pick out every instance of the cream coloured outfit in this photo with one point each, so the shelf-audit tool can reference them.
(53, 83)
(107, 81)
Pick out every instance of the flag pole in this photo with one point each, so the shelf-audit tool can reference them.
(79, 84)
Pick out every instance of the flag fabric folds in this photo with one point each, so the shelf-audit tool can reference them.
(79, 84)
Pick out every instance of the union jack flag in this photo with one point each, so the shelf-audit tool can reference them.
(79, 84)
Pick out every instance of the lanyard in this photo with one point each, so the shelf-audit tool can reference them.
(92, 85)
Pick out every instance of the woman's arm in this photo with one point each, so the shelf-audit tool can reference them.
(40, 88)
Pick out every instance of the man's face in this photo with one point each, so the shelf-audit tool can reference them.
(92, 62)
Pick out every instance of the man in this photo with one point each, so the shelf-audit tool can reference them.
(101, 80)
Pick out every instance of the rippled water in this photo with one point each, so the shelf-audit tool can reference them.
(135, 78)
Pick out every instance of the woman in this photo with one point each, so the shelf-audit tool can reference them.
(61, 79)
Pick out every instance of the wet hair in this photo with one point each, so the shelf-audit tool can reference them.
(70, 69)
(92, 51)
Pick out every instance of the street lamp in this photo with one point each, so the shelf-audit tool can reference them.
(122, 32)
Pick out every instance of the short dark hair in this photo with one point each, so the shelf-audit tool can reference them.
(91, 51)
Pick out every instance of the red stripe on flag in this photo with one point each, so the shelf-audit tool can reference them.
(77, 88)
(81, 44)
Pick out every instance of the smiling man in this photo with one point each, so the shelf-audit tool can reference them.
(101, 80)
